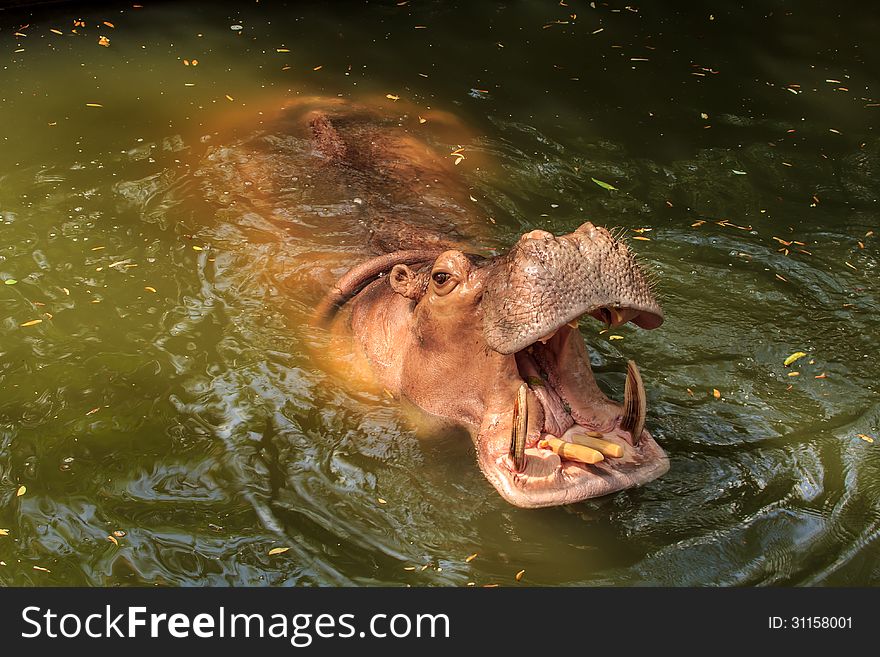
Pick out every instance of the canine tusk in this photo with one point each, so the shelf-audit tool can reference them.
(634, 403)
(519, 429)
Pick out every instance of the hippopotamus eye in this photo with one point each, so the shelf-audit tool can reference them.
(441, 277)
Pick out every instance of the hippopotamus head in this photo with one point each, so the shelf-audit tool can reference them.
(493, 344)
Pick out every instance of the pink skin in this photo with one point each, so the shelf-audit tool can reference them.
(422, 330)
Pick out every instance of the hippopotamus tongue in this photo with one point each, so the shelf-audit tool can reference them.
(546, 281)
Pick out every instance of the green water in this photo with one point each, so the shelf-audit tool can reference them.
(191, 415)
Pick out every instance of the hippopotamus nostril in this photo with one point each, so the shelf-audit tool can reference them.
(537, 235)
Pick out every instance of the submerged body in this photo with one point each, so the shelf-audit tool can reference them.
(487, 343)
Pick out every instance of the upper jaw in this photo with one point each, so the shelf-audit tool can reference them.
(546, 281)
(506, 339)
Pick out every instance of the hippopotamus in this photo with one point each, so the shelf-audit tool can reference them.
(471, 334)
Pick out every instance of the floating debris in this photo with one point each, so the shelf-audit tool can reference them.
(278, 550)
(603, 184)
(795, 356)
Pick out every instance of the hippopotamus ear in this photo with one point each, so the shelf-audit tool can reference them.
(408, 283)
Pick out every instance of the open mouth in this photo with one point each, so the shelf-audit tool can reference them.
(568, 441)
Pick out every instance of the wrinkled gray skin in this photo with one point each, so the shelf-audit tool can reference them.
(457, 334)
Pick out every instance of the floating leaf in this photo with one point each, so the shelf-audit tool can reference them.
(42, 570)
(275, 551)
(409, 568)
(150, 288)
(739, 173)
(32, 322)
(113, 540)
(104, 41)
(10, 281)
(603, 185)
(795, 356)
(519, 575)
(865, 437)
(471, 558)
(94, 105)
(615, 337)
(716, 393)
(119, 533)
(381, 501)
(21, 491)
(392, 97)
(4, 532)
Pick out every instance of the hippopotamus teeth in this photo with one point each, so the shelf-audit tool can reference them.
(519, 429)
(634, 403)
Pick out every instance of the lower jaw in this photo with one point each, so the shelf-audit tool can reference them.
(547, 479)
(550, 480)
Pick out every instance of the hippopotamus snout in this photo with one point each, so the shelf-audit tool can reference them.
(546, 281)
